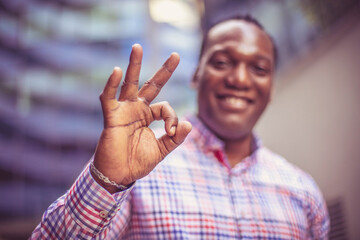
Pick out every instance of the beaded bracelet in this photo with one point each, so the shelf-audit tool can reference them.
(105, 179)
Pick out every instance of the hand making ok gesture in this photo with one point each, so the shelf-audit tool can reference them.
(127, 149)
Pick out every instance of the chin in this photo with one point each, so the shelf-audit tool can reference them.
(228, 134)
(228, 129)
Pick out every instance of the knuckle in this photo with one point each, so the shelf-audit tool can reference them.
(151, 83)
(136, 63)
(172, 117)
(132, 82)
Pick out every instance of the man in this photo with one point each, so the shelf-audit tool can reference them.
(220, 183)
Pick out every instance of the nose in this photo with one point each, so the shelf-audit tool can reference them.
(239, 77)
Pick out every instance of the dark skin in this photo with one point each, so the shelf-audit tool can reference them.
(233, 79)
(127, 149)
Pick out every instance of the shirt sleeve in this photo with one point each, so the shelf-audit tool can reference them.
(86, 211)
(318, 216)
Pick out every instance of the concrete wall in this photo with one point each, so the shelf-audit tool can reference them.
(314, 118)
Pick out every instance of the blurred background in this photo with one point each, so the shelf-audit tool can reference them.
(55, 57)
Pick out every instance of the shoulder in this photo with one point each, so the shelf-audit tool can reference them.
(294, 184)
(276, 170)
(290, 182)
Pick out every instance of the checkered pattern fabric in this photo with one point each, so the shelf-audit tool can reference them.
(194, 194)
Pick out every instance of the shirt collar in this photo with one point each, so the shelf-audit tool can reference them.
(205, 138)
(209, 142)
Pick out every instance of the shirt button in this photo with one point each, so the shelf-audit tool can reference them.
(103, 214)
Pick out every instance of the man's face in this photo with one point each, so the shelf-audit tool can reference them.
(234, 78)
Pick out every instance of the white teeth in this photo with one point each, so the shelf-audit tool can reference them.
(238, 102)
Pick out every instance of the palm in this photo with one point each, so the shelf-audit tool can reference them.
(132, 140)
(128, 149)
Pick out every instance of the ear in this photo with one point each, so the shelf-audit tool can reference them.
(195, 79)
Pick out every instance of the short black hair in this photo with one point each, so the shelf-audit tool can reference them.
(246, 18)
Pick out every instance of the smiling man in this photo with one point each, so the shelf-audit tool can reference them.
(220, 183)
(234, 80)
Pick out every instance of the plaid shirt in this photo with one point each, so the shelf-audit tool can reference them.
(195, 194)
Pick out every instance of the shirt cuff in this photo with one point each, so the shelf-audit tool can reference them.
(90, 205)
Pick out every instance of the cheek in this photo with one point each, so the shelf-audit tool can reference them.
(264, 87)
(206, 95)
(211, 79)
(205, 85)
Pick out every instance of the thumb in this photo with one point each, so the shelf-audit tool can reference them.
(167, 144)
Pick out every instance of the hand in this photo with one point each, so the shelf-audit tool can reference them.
(127, 149)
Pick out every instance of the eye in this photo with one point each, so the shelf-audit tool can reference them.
(260, 70)
(220, 63)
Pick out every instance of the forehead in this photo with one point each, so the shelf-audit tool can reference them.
(245, 36)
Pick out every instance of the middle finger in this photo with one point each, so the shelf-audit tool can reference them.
(130, 86)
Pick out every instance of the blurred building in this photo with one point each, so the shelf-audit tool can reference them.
(55, 57)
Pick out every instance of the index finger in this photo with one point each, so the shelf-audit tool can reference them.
(153, 86)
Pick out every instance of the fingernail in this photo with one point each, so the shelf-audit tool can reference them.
(172, 130)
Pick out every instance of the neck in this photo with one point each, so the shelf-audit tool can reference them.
(237, 150)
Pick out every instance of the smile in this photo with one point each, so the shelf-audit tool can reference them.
(234, 103)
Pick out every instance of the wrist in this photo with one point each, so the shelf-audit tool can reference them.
(110, 185)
